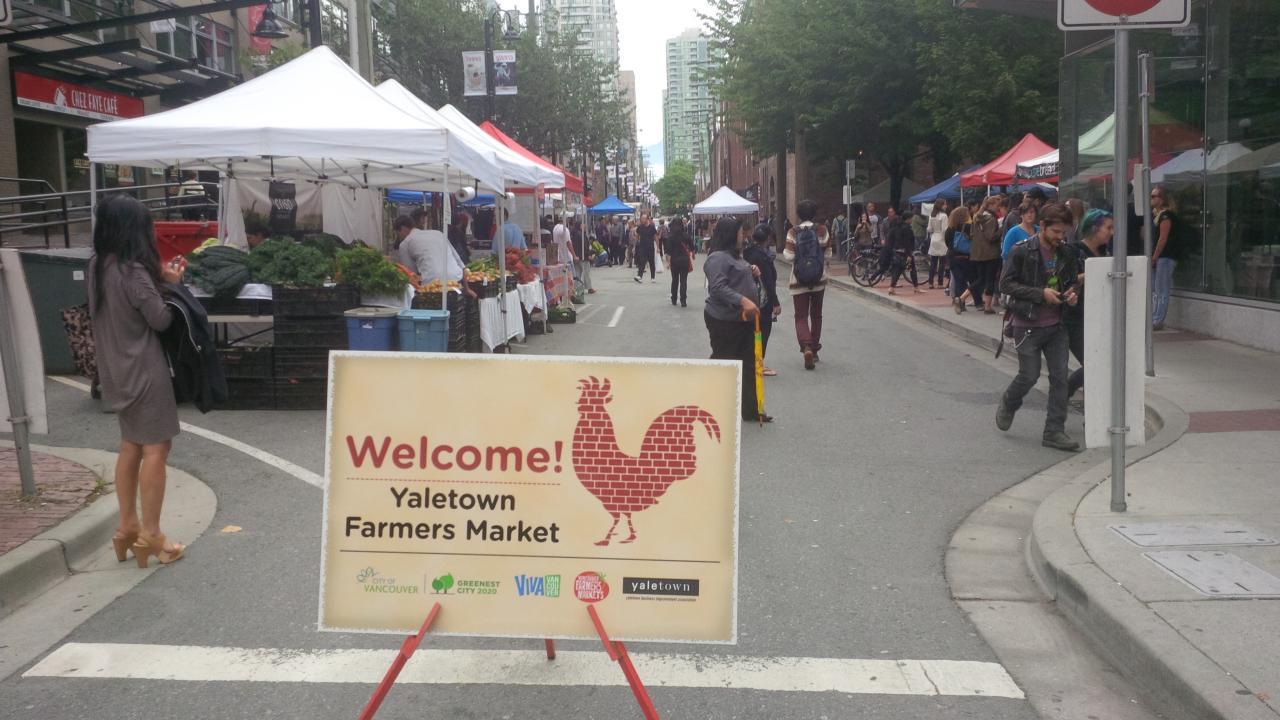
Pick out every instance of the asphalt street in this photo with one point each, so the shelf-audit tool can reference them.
(848, 502)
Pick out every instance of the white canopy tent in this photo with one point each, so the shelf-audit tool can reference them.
(313, 118)
(1045, 166)
(1191, 165)
(725, 202)
(516, 169)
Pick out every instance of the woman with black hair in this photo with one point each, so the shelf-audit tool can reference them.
(760, 253)
(678, 247)
(730, 311)
(128, 312)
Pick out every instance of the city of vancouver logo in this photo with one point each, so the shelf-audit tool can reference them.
(375, 583)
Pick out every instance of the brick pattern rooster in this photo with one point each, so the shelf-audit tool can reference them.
(626, 484)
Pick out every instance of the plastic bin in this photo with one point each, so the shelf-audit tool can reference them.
(55, 279)
(424, 330)
(371, 328)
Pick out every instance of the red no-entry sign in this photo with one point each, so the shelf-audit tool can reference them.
(1118, 14)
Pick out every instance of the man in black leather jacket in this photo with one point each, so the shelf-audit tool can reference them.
(1039, 277)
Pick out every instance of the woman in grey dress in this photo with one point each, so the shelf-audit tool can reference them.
(128, 312)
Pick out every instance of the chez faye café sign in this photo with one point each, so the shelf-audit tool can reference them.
(44, 93)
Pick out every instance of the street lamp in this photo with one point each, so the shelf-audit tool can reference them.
(510, 34)
(269, 26)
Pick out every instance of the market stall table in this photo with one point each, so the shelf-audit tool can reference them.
(492, 333)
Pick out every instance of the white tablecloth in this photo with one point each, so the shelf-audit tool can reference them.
(491, 333)
(533, 295)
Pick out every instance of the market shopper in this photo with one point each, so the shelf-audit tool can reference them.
(1040, 278)
(958, 248)
(938, 244)
(458, 235)
(807, 299)
(1096, 229)
(678, 249)
(984, 257)
(646, 251)
(128, 312)
(760, 253)
(730, 312)
(1164, 254)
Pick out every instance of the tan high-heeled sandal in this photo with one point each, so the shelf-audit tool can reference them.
(148, 546)
(122, 543)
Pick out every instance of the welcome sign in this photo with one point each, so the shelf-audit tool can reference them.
(518, 491)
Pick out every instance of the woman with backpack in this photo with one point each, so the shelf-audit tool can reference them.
(806, 250)
(938, 244)
(958, 249)
(129, 313)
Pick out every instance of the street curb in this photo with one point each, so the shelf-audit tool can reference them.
(33, 567)
(1172, 673)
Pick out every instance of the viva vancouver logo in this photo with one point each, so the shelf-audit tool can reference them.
(375, 583)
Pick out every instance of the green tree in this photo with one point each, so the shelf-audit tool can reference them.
(427, 39)
(675, 189)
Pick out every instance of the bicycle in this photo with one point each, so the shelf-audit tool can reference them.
(872, 271)
(862, 263)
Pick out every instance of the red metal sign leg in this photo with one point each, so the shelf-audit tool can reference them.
(618, 653)
(551, 648)
(406, 651)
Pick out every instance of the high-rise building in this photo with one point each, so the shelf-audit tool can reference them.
(687, 100)
(627, 92)
(595, 20)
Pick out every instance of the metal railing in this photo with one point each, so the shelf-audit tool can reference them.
(22, 216)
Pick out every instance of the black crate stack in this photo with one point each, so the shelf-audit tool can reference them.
(464, 315)
(250, 377)
(309, 323)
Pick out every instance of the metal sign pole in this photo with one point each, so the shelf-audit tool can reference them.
(1119, 273)
(13, 384)
(1145, 94)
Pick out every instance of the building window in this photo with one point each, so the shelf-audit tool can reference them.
(334, 24)
(200, 38)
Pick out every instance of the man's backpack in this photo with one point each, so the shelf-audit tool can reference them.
(961, 244)
(809, 264)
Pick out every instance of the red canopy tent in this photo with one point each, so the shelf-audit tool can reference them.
(572, 183)
(1003, 169)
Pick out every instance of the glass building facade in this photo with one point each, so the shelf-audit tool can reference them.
(1215, 141)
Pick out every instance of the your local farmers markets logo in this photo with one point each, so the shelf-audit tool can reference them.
(375, 583)
(538, 585)
(590, 587)
(443, 584)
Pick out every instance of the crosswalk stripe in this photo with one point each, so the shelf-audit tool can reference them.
(963, 678)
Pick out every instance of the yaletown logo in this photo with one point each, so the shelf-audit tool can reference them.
(659, 586)
(375, 583)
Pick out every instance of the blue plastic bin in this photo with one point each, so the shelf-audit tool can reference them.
(424, 330)
(370, 328)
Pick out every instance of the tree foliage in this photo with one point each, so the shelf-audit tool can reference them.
(675, 189)
(884, 80)
(565, 102)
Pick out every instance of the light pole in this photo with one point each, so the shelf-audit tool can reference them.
(510, 34)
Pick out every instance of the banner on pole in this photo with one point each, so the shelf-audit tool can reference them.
(504, 72)
(474, 81)
(1123, 14)
(515, 491)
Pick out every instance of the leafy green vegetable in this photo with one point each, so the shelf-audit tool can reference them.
(281, 261)
(219, 270)
(326, 243)
(368, 270)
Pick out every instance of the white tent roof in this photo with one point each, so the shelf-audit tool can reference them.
(540, 173)
(1265, 161)
(1190, 165)
(313, 117)
(515, 168)
(1045, 159)
(725, 202)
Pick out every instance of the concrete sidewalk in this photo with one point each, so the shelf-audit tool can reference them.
(1203, 504)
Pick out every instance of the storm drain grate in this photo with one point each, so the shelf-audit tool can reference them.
(1218, 574)
(1189, 534)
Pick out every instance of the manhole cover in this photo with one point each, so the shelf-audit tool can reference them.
(1194, 533)
(1218, 574)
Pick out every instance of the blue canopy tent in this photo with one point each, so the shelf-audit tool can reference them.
(416, 197)
(611, 206)
(948, 189)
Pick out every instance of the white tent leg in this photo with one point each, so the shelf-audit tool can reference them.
(93, 196)
(444, 256)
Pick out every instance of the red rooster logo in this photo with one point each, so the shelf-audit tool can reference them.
(626, 484)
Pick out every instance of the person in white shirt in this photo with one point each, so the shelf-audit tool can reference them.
(428, 253)
(561, 238)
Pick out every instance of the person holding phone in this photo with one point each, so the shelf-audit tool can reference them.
(128, 312)
(1039, 277)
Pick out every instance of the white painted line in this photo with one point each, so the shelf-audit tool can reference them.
(589, 312)
(274, 461)
(617, 315)
(527, 667)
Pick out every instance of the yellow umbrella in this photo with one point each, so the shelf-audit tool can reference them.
(759, 349)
